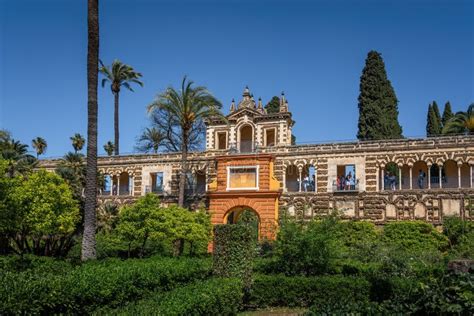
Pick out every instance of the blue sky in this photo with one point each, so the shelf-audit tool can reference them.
(313, 50)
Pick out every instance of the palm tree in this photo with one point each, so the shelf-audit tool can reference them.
(88, 249)
(119, 74)
(78, 142)
(16, 155)
(187, 108)
(109, 148)
(461, 122)
(40, 145)
(150, 140)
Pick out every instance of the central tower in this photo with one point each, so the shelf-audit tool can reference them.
(245, 179)
(249, 126)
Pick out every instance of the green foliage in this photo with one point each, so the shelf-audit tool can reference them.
(447, 113)
(109, 148)
(273, 106)
(78, 141)
(461, 237)
(146, 220)
(378, 104)
(46, 214)
(304, 250)
(414, 236)
(40, 145)
(84, 288)
(234, 249)
(433, 121)
(298, 291)
(461, 122)
(212, 297)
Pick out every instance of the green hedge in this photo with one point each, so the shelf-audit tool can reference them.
(211, 297)
(234, 250)
(279, 290)
(84, 288)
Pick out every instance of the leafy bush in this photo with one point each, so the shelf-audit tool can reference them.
(306, 249)
(452, 294)
(234, 249)
(39, 215)
(461, 237)
(279, 290)
(414, 236)
(211, 297)
(84, 288)
(146, 220)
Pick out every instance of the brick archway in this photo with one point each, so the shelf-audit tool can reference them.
(263, 199)
(265, 205)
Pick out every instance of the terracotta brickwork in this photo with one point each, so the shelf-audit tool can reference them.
(263, 201)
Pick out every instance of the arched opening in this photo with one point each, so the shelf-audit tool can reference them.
(391, 177)
(246, 139)
(308, 177)
(292, 179)
(124, 184)
(406, 177)
(450, 177)
(420, 175)
(435, 176)
(107, 185)
(465, 175)
(243, 215)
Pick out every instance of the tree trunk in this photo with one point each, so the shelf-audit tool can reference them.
(88, 238)
(182, 176)
(116, 122)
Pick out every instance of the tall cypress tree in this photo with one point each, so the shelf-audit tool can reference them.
(432, 122)
(378, 104)
(447, 113)
(438, 117)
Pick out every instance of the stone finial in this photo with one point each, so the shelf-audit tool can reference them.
(283, 103)
(232, 106)
(246, 94)
(260, 106)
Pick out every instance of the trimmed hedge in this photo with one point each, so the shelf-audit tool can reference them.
(234, 250)
(211, 297)
(94, 284)
(279, 290)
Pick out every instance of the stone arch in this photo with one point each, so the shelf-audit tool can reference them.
(245, 137)
(450, 174)
(245, 214)
(292, 178)
(420, 175)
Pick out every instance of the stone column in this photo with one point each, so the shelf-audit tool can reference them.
(440, 169)
(284, 180)
(300, 170)
(429, 176)
(118, 185)
(131, 185)
(315, 179)
(411, 177)
(399, 178)
(459, 175)
(383, 178)
(470, 176)
(111, 184)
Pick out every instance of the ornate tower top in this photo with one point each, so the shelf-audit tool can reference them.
(247, 99)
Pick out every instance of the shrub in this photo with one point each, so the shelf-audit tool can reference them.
(146, 221)
(234, 249)
(211, 297)
(309, 249)
(298, 291)
(414, 236)
(461, 237)
(84, 288)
